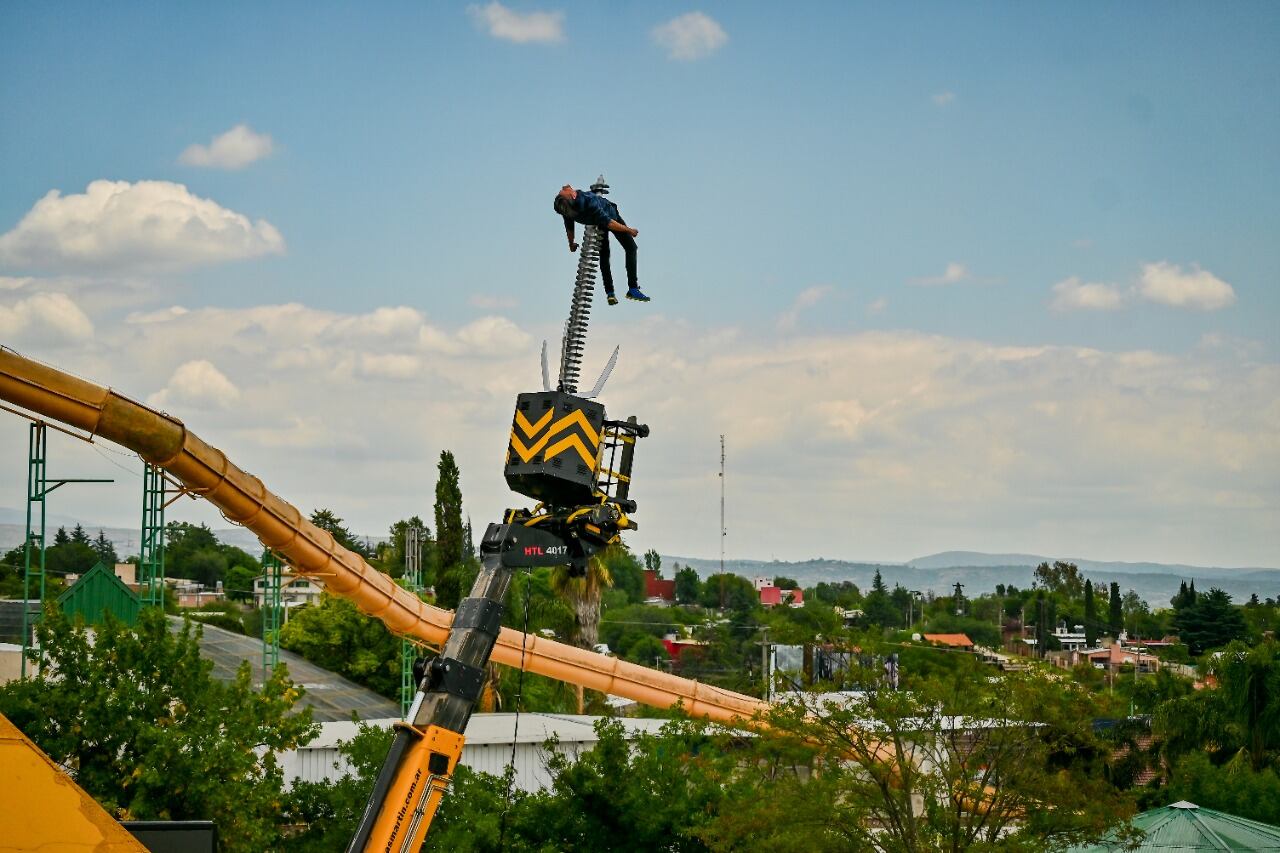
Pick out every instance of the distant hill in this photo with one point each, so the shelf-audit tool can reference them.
(948, 559)
(1154, 582)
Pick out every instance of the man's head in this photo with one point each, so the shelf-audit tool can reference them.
(563, 203)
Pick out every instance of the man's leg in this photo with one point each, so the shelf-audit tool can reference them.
(628, 244)
(606, 274)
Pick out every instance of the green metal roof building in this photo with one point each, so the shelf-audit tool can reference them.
(1184, 827)
(97, 591)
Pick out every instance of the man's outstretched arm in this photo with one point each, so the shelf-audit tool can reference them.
(619, 228)
(568, 232)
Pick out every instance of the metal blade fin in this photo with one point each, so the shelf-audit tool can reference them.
(546, 374)
(604, 375)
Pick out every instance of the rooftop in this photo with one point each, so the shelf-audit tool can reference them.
(1184, 827)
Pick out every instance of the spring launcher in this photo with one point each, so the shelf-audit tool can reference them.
(564, 453)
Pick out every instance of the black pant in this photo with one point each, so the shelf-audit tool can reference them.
(629, 246)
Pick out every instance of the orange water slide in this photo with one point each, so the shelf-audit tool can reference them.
(204, 470)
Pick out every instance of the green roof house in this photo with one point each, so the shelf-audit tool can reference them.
(99, 591)
(1184, 827)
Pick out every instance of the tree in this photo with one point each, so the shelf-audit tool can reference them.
(1090, 616)
(331, 811)
(877, 608)
(139, 721)
(688, 586)
(335, 635)
(327, 521)
(625, 570)
(1115, 611)
(79, 536)
(61, 537)
(1210, 621)
(1026, 779)
(728, 591)
(784, 582)
(653, 562)
(1239, 720)
(452, 577)
(1061, 578)
(582, 594)
(105, 550)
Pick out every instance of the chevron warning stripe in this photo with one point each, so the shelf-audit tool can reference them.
(582, 437)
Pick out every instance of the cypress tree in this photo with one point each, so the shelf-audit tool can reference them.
(450, 575)
(1090, 616)
(1116, 620)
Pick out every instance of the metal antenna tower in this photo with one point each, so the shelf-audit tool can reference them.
(723, 532)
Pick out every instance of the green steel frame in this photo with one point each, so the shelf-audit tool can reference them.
(36, 491)
(151, 551)
(272, 570)
(38, 488)
(409, 650)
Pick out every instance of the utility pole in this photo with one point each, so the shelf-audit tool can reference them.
(764, 665)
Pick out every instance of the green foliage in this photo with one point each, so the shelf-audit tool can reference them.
(1234, 788)
(688, 586)
(653, 562)
(1240, 719)
(1061, 578)
(105, 550)
(1036, 749)
(452, 577)
(729, 592)
(1115, 610)
(327, 521)
(842, 594)
(225, 621)
(878, 608)
(625, 570)
(1208, 621)
(1090, 616)
(335, 635)
(330, 811)
(149, 733)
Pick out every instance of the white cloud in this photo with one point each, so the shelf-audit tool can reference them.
(690, 36)
(877, 444)
(1074, 295)
(235, 149)
(41, 317)
(954, 273)
(197, 384)
(11, 283)
(519, 27)
(942, 99)
(877, 306)
(1167, 284)
(807, 298)
(116, 226)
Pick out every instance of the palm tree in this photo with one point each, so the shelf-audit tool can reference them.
(582, 593)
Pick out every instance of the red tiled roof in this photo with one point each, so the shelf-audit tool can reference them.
(955, 640)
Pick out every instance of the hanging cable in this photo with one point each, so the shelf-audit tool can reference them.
(515, 733)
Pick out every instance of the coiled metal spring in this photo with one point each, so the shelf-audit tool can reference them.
(575, 328)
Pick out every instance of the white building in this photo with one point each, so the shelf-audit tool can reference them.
(295, 590)
(487, 747)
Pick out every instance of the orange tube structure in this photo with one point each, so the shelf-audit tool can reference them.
(205, 471)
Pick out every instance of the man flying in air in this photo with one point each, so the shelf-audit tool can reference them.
(592, 208)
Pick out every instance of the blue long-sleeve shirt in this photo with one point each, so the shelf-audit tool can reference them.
(590, 209)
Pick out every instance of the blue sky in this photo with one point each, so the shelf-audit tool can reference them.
(986, 179)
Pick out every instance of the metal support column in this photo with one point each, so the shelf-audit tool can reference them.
(36, 458)
(38, 488)
(151, 551)
(272, 569)
(409, 650)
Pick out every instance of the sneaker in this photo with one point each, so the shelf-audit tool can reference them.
(613, 300)
(635, 294)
